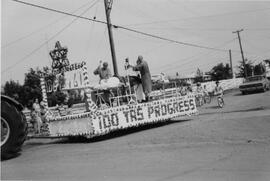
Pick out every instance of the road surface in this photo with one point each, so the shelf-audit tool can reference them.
(232, 143)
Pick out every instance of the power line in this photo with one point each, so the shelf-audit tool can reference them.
(204, 29)
(186, 63)
(252, 45)
(257, 29)
(194, 68)
(170, 40)
(100, 42)
(143, 15)
(155, 48)
(52, 37)
(87, 48)
(122, 27)
(188, 58)
(198, 17)
(40, 29)
(58, 11)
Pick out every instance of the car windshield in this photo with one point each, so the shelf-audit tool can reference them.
(251, 79)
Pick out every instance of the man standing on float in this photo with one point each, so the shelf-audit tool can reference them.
(103, 72)
(142, 66)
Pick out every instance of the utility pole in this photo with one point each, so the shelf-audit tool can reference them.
(231, 66)
(244, 64)
(108, 7)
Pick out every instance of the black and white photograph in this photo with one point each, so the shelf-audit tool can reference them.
(145, 90)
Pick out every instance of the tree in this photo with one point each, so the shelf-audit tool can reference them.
(57, 97)
(32, 89)
(259, 69)
(14, 90)
(220, 72)
(249, 68)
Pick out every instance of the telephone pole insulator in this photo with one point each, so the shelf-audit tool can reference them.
(241, 49)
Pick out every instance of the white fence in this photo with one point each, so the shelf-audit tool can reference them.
(225, 84)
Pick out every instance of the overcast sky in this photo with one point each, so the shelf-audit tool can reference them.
(25, 30)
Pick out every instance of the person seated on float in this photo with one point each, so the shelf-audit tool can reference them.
(104, 72)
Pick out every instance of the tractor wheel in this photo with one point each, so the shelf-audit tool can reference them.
(13, 130)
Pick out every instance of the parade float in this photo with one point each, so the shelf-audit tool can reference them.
(105, 107)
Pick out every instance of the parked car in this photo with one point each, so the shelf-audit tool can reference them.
(255, 84)
(159, 78)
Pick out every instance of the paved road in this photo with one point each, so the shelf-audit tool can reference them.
(232, 143)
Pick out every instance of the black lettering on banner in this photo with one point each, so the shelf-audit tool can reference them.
(163, 109)
(181, 106)
(133, 115)
(126, 115)
(72, 67)
(186, 104)
(139, 114)
(81, 82)
(114, 119)
(49, 86)
(191, 103)
(150, 111)
(157, 111)
(100, 122)
(170, 108)
(175, 107)
(106, 121)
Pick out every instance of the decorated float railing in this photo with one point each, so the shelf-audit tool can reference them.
(122, 110)
(115, 118)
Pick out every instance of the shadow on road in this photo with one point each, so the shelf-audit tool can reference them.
(238, 94)
(119, 133)
(250, 93)
(112, 135)
(11, 157)
(212, 107)
(234, 111)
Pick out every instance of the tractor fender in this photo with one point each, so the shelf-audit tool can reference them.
(11, 101)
